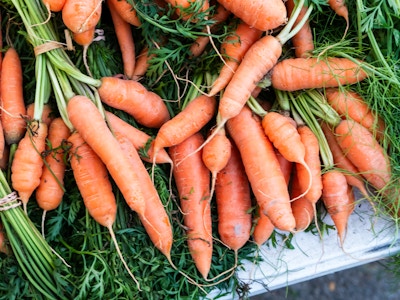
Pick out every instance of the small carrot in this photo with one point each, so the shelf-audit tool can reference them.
(233, 199)
(262, 168)
(188, 10)
(27, 164)
(47, 114)
(126, 11)
(340, 8)
(12, 97)
(349, 104)
(92, 179)
(193, 183)
(146, 107)
(85, 39)
(363, 150)
(234, 48)
(142, 63)
(81, 15)
(335, 196)
(263, 229)
(123, 32)
(294, 74)
(54, 5)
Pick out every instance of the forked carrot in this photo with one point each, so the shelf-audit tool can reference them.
(262, 168)
(146, 107)
(193, 183)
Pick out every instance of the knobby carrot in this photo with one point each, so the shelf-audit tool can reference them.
(234, 48)
(146, 107)
(12, 97)
(126, 11)
(94, 130)
(27, 164)
(258, 14)
(92, 179)
(294, 74)
(81, 15)
(193, 183)
(262, 168)
(337, 200)
(363, 150)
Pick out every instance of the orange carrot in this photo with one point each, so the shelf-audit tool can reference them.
(146, 107)
(234, 48)
(94, 130)
(263, 229)
(185, 9)
(85, 39)
(27, 164)
(294, 74)
(123, 32)
(92, 179)
(12, 98)
(262, 168)
(81, 15)
(363, 150)
(233, 199)
(54, 5)
(47, 115)
(263, 15)
(349, 104)
(335, 196)
(340, 8)
(50, 191)
(126, 11)
(138, 138)
(193, 183)
(285, 165)
(303, 41)
(142, 63)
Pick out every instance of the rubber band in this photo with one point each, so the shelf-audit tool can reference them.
(10, 201)
(43, 48)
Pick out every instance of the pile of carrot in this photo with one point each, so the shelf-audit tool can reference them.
(220, 124)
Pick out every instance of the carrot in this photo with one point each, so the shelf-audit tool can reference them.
(193, 183)
(340, 8)
(263, 229)
(12, 97)
(190, 120)
(123, 32)
(258, 14)
(27, 164)
(302, 41)
(85, 39)
(221, 14)
(54, 5)
(142, 63)
(350, 104)
(262, 168)
(341, 162)
(146, 107)
(92, 179)
(138, 138)
(47, 114)
(81, 15)
(285, 165)
(126, 11)
(187, 10)
(335, 196)
(93, 129)
(234, 48)
(233, 199)
(50, 191)
(294, 74)
(363, 150)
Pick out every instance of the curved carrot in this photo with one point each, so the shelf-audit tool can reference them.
(126, 11)
(81, 15)
(294, 74)
(12, 97)
(193, 183)
(146, 107)
(363, 150)
(340, 8)
(234, 48)
(27, 164)
(263, 15)
(262, 168)
(351, 104)
(233, 199)
(94, 130)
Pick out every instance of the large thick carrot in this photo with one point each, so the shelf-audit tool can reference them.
(126, 11)
(91, 177)
(12, 97)
(27, 164)
(81, 15)
(294, 74)
(263, 15)
(233, 199)
(233, 49)
(262, 168)
(146, 107)
(193, 183)
(363, 150)
(94, 130)
(350, 104)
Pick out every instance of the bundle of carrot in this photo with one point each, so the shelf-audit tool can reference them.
(185, 136)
